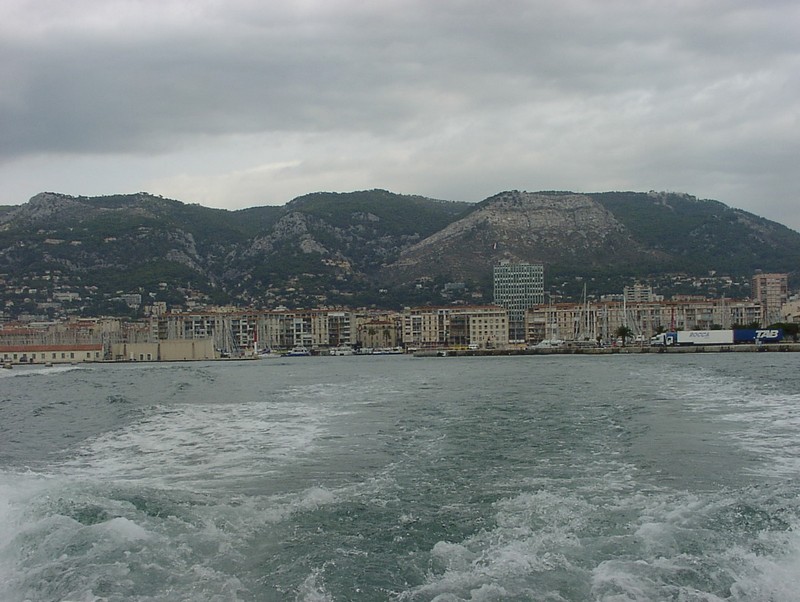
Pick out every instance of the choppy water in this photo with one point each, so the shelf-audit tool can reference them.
(392, 478)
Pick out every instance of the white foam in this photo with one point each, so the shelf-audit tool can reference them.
(622, 546)
(165, 490)
(316, 497)
(27, 371)
(63, 539)
(205, 446)
(452, 556)
(489, 592)
(774, 577)
(125, 529)
(618, 581)
(534, 534)
(760, 417)
(312, 591)
(16, 491)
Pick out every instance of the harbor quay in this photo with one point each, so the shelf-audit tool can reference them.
(463, 330)
(633, 349)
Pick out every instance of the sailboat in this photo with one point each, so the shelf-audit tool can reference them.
(262, 353)
(552, 340)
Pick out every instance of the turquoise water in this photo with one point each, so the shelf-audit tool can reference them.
(658, 477)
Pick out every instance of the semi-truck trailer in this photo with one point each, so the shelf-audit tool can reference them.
(717, 337)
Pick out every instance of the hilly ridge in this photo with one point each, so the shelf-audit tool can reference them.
(696, 234)
(559, 230)
(374, 247)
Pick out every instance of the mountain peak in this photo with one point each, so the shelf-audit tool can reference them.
(536, 227)
(44, 206)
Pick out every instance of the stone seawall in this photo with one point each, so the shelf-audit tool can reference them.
(567, 350)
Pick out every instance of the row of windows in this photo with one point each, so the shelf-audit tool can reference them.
(43, 356)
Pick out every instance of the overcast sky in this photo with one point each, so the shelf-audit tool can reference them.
(238, 103)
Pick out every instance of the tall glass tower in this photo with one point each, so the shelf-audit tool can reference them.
(517, 287)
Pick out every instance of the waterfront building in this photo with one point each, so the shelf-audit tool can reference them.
(231, 332)
(52, 353)
(595, 320)
(377, 332)
(239, 332)
(482, 326)
(518, 287)
(425, 327)
(165, 351)
(771, 291)
(790, 312)
(340, 328)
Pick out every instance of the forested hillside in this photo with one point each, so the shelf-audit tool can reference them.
(373, 247)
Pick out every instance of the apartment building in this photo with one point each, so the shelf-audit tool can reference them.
(484, 326)
(378, 331)
(425, 326)
(790, 311)
(600, 320)
(240, 332)
(771, 291)
(640, 293)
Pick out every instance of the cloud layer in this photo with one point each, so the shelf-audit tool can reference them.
(243, 103)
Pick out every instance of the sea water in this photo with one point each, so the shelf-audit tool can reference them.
(615, 478)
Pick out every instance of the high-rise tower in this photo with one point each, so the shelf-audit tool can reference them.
(517, 287)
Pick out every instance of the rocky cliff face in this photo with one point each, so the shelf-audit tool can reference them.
(563, 229)
(46, 206)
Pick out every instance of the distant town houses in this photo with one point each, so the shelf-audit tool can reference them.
(428, 327)
(600, 320)
(233, 333)
(523, 314)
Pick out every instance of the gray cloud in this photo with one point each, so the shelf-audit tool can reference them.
(246, 102)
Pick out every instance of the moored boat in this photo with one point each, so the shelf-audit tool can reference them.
(298, 351)
(387, 351)
(341, 350)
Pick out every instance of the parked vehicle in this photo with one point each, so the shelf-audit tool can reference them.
(717, 337)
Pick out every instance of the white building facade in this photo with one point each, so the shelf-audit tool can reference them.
(599, 321)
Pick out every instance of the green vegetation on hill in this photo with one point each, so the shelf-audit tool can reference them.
(698, 235)
(386, 212)
(334, 248)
